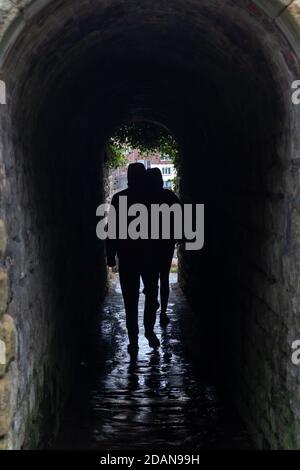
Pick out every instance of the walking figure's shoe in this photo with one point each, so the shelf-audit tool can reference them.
(153, 340)
(164, 319)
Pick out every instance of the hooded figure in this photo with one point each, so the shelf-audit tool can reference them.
(164, 249)
(135, 262)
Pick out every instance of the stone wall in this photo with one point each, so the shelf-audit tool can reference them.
(8, 370)
(56, 278)
(244, 285)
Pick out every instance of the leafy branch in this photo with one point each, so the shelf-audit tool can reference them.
(146, 137)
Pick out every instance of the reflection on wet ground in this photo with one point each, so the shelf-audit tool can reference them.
(154, 402)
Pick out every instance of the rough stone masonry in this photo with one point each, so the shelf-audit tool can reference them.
(8, 370)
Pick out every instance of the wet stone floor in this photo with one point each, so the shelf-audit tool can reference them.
(159, 401)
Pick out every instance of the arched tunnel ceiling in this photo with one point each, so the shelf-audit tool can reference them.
(140, 50)
(72, 27)
(67, 31)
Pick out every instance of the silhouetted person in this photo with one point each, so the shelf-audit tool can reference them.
(164, 249)
(135, 261)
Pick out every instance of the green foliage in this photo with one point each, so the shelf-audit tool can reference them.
(116, 156)
(146, 137)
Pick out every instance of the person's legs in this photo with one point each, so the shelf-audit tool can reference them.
(150, 279)
(165, 268)
(164, 289)
(130, 285)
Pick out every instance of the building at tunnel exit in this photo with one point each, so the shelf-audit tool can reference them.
(218, 75)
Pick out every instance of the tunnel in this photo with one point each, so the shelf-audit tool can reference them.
(217, 75)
